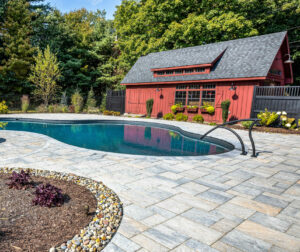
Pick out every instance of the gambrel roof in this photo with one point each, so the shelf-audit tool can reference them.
(240, 58)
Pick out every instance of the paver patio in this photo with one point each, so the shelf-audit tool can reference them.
(224, 202)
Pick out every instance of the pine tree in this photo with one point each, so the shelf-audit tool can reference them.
(91, 102)
(16, 32)
(45, 74)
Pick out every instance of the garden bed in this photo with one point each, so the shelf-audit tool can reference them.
(25, 227)
(267, 129)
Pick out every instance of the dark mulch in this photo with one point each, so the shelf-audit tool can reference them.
(24, 227)
(268, 129)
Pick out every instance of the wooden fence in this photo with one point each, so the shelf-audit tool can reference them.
(115, 100)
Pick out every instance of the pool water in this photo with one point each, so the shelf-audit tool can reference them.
(122, 138)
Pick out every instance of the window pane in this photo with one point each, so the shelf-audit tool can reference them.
(194, 98)
(170, 72)
(178, 71)
(160, 72)
(199, 69)
(209, 86)
(190, 70)
(180, 97)
(181, 87)
(194, 86)
(208, 97)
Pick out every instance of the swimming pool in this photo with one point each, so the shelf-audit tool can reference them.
(126, 137)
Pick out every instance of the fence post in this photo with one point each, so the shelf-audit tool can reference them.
(252, 114)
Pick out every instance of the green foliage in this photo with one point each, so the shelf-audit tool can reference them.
(25, 103)
(198, 118)
(42, 108)
(181, 117)
(64, 99)
(212, 124)
(173, 108)
(169, 116)
(3, 107)
(114, 113)
(45, 74)
(192, 106)
(149, 107)
(77, 101)
(2, 125)
(225, 109)
(247, 124)
(267, 118)
(51, 108)
(91, 101)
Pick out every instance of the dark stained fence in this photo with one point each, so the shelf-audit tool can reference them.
(115, 100)
(286, 98)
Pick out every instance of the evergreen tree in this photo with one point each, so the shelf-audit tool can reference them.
(44, 76)
(91, 102)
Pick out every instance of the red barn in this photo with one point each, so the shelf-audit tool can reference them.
(210, 74)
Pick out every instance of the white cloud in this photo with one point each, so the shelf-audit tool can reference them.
(95, 2)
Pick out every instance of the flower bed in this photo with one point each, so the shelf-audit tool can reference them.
(107, 216)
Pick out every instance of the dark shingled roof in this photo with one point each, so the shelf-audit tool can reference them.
(247, 57)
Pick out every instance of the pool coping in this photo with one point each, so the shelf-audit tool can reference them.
(225, 144)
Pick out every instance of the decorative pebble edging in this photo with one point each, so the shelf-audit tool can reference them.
(106, 221)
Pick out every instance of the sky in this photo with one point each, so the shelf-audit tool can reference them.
(68, 5)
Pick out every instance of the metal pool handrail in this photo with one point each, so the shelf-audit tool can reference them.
(223, 126)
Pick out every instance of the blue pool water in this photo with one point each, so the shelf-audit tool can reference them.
(123, 138)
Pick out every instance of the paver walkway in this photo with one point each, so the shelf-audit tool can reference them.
(225, 202)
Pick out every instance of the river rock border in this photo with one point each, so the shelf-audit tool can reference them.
(107, 218)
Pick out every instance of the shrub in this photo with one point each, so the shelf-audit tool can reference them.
(181, 117)
(168, 116)
(115, 113)
(107, 112)
(247, 124)
(198, 118)
(19, 180)
(72, 109)
(149, 107)
(103, 103)
(91, 102)
(48, 195)
(210, 110)
(225, 110)
(173, 108)
(51, 108)
(77, 101)
(212, 124)
(267, 118)
(64, 108)
(42, 108)
(3, 107)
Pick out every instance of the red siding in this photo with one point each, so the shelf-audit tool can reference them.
(164, 96)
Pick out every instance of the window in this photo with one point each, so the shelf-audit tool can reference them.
(181, 87)
(199, 69)
(180, 97)
(169, 72)
(160, 72)
(189, 70)
(194, 86)
(208, 97)
(179, 71)
(209, 86)
(194, 98)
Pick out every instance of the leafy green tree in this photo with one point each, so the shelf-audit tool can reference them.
(45, 74)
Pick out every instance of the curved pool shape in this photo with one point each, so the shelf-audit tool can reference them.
(124, 137)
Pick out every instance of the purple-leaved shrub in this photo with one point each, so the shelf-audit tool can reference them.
(20, 180)
(48, 196)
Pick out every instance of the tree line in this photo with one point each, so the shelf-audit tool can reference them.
(94, 53)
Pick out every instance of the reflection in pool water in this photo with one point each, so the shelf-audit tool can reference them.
(122, 138)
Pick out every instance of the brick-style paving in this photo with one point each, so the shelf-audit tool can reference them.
(224, 202)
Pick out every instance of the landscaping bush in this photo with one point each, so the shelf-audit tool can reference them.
(19, 180)
(51, 108)
(181, 117)
(3, 107)
(77, 101)
(268, 118)
(72, 109)
(107, 112)
(212, 124)
(103, 103)
(91, 101)
(115, 113)
(168, 116)
(198, 118)
(225, 110)
(64, 99)
(42, 108)
(173, 108)
(25, 103)
(247, 124)
(48, 195)
(149, 107)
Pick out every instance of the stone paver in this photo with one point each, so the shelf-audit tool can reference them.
(224, 202)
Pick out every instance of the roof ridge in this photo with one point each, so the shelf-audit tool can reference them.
(220, 42)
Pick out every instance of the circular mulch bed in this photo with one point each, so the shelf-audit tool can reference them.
(25, 227)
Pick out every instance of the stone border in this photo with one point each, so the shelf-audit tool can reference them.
(106, 221)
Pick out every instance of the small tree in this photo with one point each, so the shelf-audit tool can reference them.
(91, 102)
(64, 99)
(225, 110)
(77, 101)
(149, 107)
(45, 74)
